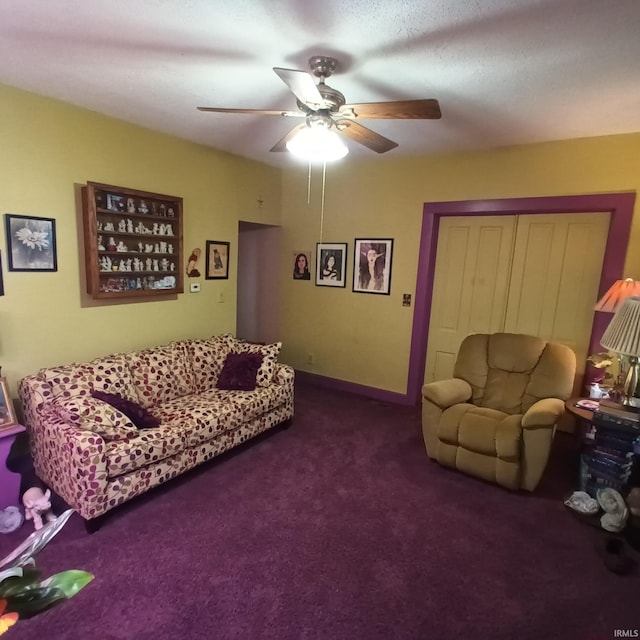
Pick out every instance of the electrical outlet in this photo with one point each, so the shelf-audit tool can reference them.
(311, 359)
(194, 287)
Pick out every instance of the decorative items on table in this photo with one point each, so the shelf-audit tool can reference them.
(23, 594)
(623, 337)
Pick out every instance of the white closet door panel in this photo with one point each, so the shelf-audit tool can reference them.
(555, 277)
(470, 285)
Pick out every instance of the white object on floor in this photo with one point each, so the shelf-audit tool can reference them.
(582, 502)
(10, 519)
(616, 511)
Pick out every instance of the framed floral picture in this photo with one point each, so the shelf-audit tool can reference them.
(31, 243)
(7, 412)
(331, 264)
(372, 265)
(217, 260)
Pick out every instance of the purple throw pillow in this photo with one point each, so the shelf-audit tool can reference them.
(239, 372)
(140, 417)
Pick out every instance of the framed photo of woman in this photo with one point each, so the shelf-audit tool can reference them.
(372, 265)
(331, 264)
(301, 262)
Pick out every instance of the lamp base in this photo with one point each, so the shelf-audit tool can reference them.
(631, 383)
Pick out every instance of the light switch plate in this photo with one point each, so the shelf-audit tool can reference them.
(194, 287)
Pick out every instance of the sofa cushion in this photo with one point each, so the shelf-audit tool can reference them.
(269, 359)
(207, 358)
(140, 417)
(204, 416)
(110, 374)
(91, 414)
(160, 374)
(239, 371)
(147, 447)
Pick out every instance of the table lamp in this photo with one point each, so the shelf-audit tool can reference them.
(623, 337)
(616, 294)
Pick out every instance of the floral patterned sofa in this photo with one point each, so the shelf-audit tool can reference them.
(95, 457)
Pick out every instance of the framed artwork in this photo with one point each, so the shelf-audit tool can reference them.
(1, 279)
(217, 264)
(331, 264)
(31, 243)
(301, 262)
(372, 265)
(7, 413)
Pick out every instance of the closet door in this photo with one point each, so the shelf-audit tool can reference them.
(535, 274)
(471, 281)
(556, 269)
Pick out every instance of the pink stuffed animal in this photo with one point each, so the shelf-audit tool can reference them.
(37, 504)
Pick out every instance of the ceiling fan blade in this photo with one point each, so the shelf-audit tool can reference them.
(302, 86)
(263, 112)
(281, 145)
(364, 136)
(403, 109)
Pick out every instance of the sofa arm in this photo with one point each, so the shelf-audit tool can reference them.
(543, 413)
(284, 374)
(445, 393)
(69, 460)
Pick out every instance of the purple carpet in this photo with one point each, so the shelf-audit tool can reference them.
(338, 528)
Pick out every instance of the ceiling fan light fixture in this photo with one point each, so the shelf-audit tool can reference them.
(317, 144)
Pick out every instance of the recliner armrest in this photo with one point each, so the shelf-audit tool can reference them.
(445, 393)
(544, 413)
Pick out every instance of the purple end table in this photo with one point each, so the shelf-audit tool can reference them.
(9, 482)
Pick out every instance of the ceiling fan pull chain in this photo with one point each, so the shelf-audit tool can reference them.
(324, 181)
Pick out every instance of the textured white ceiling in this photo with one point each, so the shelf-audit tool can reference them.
(504, 71)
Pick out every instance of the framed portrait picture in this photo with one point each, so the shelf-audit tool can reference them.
(301, 262)
(7, 413)
(31, 243)
(372, 265)
(217, 264)
(331, 264)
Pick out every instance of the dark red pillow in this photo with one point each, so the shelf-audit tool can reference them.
(239, 372)
(140, 417)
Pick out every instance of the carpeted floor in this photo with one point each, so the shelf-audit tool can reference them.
(338, 528)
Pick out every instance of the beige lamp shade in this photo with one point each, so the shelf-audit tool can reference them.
(623, 333)
(617, 293)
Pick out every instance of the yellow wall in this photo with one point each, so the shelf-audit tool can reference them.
(49, 149)
(365, 338)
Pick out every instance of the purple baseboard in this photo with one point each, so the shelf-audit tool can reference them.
(352, 387)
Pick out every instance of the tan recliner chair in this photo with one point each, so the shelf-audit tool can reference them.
(496, 418)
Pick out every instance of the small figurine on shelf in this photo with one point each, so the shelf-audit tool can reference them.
(131, 205)
(111, 244)
(122, 226)
(170, 213)
(129, 226)
(143, 207)
(163, 209)
(122, 247)
(101, 247)
(36, 505)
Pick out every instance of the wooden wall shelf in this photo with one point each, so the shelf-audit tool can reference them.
(133, 242)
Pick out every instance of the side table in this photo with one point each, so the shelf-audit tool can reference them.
(9, 482)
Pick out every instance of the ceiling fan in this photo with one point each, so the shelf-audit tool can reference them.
(324, 106)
